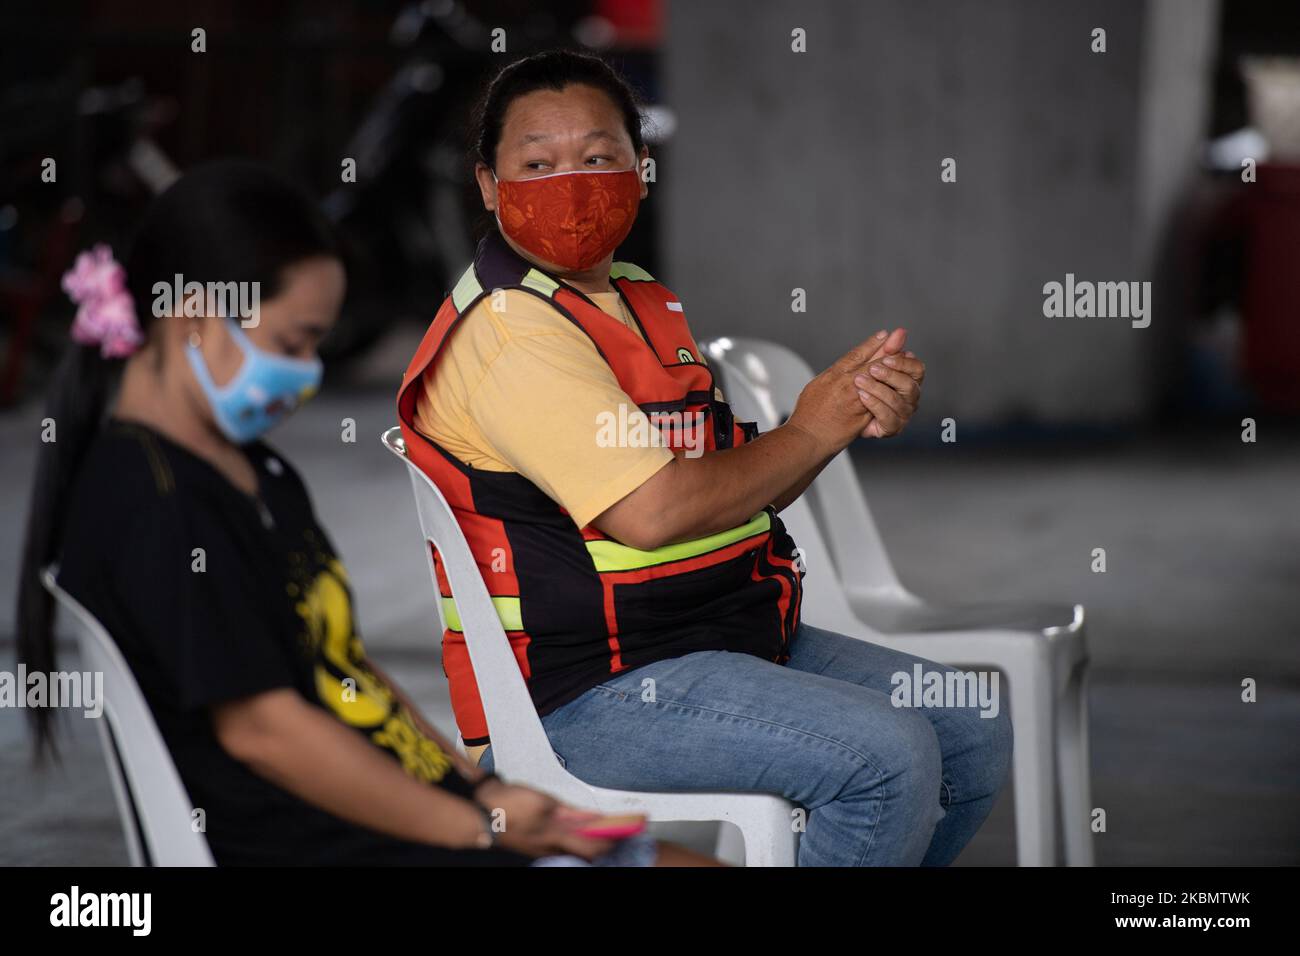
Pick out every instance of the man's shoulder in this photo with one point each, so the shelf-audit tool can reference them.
(504, 314)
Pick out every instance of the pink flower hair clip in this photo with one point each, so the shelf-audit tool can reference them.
(105, 313)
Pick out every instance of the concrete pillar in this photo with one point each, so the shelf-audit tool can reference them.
(821, 171)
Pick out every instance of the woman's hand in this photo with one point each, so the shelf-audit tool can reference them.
(890, 388)
(536, 824)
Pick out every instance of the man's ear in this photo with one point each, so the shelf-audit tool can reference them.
(487, 185)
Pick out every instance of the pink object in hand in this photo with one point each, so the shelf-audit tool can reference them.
(612, 828)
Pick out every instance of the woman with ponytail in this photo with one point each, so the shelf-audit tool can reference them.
(197, 547)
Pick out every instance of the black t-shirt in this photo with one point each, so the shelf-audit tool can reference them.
(213, 595)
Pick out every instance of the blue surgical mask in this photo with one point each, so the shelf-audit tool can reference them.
(265, 389)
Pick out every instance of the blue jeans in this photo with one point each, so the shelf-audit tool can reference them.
(882, 785)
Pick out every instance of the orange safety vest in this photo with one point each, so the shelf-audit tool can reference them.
(575, 604)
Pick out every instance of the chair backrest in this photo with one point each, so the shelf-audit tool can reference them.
(773, 376)
(824, 601)
(520, 748)
(154, 807)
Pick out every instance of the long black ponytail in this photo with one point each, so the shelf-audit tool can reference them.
(225, 221)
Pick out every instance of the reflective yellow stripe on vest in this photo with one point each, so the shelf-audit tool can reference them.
(540, 282)
(629, 270)
(611, 556)
(507, 609)
(467, 290)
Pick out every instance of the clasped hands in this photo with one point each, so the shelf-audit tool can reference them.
(871, 391)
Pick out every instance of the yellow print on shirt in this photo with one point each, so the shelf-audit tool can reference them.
(367, 703)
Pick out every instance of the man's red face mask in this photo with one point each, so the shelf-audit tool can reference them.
(571, 219)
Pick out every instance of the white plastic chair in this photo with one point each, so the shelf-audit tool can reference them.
(151, 800)
(520, 748)
(851, 588)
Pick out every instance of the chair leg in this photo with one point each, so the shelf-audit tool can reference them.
(731, 845)
(1033, 765)
(770, 845)
(1074, 768)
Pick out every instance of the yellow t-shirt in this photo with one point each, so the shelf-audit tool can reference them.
(519, 387)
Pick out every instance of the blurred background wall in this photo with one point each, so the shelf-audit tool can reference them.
(822, 172)
(817, 170)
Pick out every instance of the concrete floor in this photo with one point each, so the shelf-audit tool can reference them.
(1200, 592)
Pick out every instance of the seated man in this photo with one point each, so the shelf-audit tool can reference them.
(627, 527)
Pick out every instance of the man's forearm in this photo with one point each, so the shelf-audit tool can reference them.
(695, 497)
(791, 494)
(723, 489)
